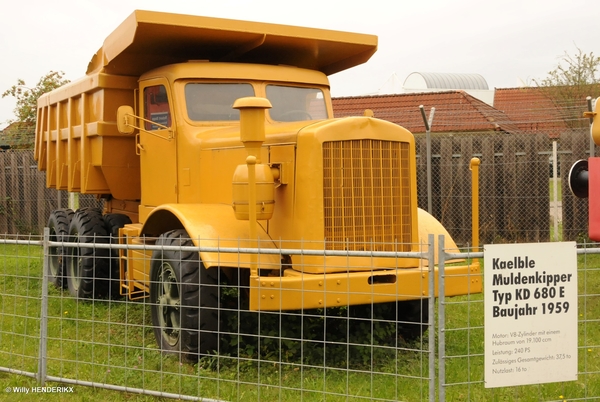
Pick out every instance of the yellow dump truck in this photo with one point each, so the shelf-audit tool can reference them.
(220, 134)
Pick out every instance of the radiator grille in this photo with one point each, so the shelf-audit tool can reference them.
(366, 188)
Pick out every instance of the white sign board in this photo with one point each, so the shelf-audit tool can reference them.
(530, 295)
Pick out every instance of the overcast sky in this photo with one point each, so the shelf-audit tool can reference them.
(508, 42)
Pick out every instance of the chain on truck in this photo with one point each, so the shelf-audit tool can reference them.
(174, 117)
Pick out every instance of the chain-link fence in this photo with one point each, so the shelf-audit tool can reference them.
(516, 187)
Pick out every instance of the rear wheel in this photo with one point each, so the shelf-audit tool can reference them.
(58, 223)
(184, 299)
(87, 266)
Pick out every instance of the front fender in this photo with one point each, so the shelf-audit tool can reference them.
(212, 225)
(429, 225)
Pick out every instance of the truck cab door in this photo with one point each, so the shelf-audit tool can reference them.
(157, 145)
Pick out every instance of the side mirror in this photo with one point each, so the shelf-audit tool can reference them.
(125, 120)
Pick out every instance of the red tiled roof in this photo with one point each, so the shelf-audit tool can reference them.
(530, 109)
(533, 109)
(455, 111)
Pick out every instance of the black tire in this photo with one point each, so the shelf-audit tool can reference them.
(411, 316)
(87, 267)
(184, 298)
(112, 223)
(58, 223)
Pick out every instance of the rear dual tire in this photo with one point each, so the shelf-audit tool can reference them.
(58, 223)
(87, 272)
(86, 265)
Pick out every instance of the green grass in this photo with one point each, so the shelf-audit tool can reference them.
(560, 225)
(112, 342)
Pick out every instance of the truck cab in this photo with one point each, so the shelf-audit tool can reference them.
(195, 101)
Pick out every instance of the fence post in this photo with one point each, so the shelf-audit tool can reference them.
(431, 307)
(42, 359)
(428, 138)
(441, 320)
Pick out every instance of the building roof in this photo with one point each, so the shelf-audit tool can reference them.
(419, 80)
(455, 111)
(17, 135)
(530, 109)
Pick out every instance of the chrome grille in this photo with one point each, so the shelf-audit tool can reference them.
(366, 188)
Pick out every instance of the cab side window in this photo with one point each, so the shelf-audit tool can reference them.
(156, 107)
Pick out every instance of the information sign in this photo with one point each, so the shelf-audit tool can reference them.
(530, 295)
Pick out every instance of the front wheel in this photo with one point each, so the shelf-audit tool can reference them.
(184, 299)
(411, 316)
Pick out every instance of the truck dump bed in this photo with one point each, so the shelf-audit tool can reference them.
(77, 141)
(147, 39)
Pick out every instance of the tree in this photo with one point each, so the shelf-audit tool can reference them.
(574, 79)
(20, 132)
(578, 70)
(26, 108)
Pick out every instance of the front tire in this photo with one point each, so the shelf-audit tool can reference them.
(411, 316)
(87, 266)
(184, 299)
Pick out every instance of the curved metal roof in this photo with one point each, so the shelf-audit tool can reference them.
(445, 81)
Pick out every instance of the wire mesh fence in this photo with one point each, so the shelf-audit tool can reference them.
(51, 333)
(463, 354)
(51, 337)
(21, 300)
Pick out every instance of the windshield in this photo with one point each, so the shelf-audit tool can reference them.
(214, 101)
(295, 103)
(210, 102)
